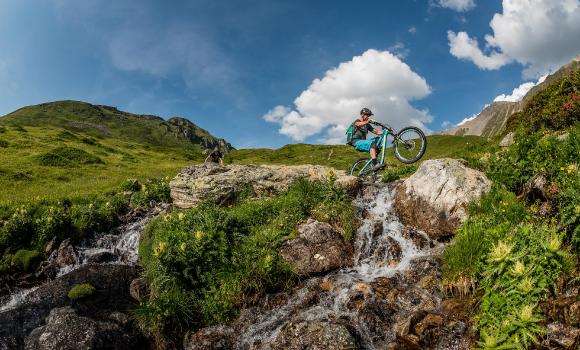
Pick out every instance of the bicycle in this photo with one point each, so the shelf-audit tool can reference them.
(409, 145)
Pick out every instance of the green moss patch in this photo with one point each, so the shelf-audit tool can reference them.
(80, 291)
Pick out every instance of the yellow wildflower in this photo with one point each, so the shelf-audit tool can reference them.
(182, 246)
(519, 268)
(500, 251)
(526, 313)
(199, 235)
(526, 285)
(571, 168)
(181, 216)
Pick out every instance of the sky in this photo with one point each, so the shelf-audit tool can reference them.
(265, 73)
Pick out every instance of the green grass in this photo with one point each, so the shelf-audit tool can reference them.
(51, 163)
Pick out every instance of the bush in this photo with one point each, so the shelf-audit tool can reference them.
(4, 144)
(2, 129)
(132, 185)
(80, 291)
(67, 157)
(18, 229)
(99, 215)
(26, 259)
(51, 222)
(205, 263)
(152, 190)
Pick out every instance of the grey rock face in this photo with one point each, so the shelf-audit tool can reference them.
(434, 198)
(66, 330)
(319, 248)
(224, 184)
(507, 140)
(314, 335)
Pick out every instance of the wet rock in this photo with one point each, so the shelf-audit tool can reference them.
(66, 330)
(377, 228)
(319, 248)
(102, 257)
(420, 239)
(65, 255)
(434, 198)
(314, 335)
(50, 246)
(561, 336)
(139, 289)
(536, 188)
(429, 321)
(112, 285)
(212, 338)
(223, 184)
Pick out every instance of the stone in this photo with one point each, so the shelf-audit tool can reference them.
(434, 199)
(66, 330)
(101, 257)
(211, 338)
(562, 336)
(318, 249)
(66, 254)
(224, 183)
(507, 140)
(139, 289)
(314, 335)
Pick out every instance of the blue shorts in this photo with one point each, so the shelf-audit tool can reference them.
(365, 145)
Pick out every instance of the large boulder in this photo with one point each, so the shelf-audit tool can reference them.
(315, 335)
(318, 249)
(66, 330)
(434, 199)
(223, 184)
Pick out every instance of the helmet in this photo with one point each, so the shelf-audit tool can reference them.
(366, 111)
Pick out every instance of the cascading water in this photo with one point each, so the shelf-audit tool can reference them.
(382, 254)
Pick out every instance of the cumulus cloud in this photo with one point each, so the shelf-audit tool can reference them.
(458, 5)
(400, 50)
(519, 92)
(465, 120)
(378, 80)
(539, 34)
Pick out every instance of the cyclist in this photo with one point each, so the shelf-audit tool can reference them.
(216, 156)
(361, 127)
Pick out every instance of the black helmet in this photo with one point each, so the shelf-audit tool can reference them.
(366, 111)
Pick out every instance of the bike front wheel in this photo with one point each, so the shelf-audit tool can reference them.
(410, 145)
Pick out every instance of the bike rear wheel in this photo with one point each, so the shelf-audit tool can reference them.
(410, 145)
(357, 168)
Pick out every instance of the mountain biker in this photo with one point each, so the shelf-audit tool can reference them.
(361, 127)
(216, 156)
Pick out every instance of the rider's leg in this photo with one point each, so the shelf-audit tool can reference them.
(373, 153)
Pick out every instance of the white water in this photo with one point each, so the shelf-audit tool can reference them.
(373, 258)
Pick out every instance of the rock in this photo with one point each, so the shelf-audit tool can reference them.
(139, 289)
(66, 330)
(563, 336)
(101, 257)
(420, 239)
(211, 338)
(50, 246)
(66, 254)
(536, 188)
(429, 321)
(223, 184)
(377, 228)
(434, 198)
(314, 335)
(507, 140)
(112, 285)
(319, 248)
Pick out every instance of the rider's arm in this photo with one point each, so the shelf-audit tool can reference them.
(377, 132)
(361, 122)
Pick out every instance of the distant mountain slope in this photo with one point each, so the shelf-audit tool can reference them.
(493, 119)
(106, 121)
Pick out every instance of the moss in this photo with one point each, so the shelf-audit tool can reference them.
(80, 291)
(26, 259)
(67, 157)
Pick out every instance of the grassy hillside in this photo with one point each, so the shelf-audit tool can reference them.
(342, 157)
(48, 162)
(108, 122)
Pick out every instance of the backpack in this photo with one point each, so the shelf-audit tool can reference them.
(350, 133)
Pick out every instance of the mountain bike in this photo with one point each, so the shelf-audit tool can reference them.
(409, 145)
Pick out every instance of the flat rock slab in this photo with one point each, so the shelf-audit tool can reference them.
(224, 183)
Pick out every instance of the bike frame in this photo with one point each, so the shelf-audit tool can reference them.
(382, 142)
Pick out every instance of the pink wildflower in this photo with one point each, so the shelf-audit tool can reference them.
(554, 189)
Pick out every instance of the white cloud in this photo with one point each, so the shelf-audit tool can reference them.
(458, 5)
(399, 49)
(519, 92)
(446, 124)
(539, 34)
(413, 30)
(377, 79)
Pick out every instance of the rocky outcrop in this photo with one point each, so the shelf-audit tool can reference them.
(224, 184)
(316, 335)
(507, 140)
(434, 198)
(66, 330)
(112, 294)
(319, 248)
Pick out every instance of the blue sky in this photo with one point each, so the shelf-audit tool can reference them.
(237, 68)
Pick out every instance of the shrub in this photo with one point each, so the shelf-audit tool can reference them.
(51, 221)
(152, 190)
(18, 229)
(26, 259)
(80, 291)
(99, 215)
(2, 129)
(4, 144)
(132, 185)
(67, 157)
